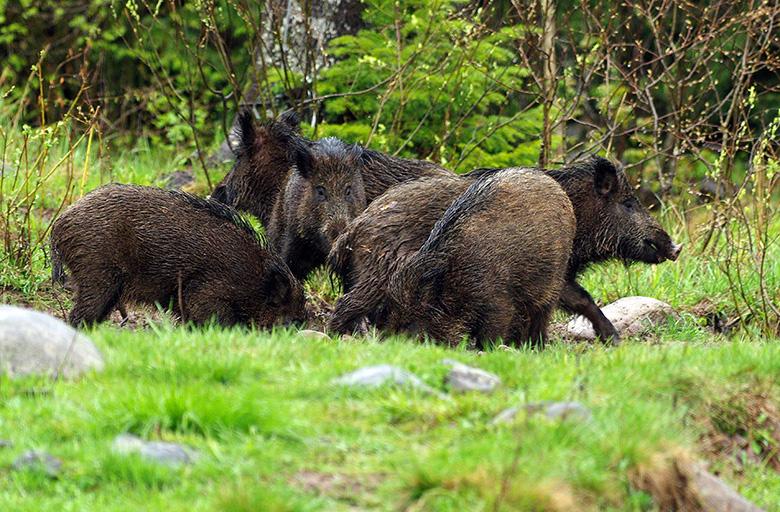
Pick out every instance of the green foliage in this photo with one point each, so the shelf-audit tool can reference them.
(146, 66)
(440, 91)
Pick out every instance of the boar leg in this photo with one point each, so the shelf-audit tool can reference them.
(93, 303)
(537, 326)
(575, 299)
(123, 314)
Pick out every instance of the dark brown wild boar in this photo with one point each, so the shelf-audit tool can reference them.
(610, 224)
(267, 154)
(131, 244)
(324, 192)
(492, 267)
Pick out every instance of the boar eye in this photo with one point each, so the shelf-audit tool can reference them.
(629, 203)
(348, 191)
(321, 195)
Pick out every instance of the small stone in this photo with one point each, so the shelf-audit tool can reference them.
(380, 375)
(177, 180)
(567, 410)
(552, 410)
(38, 461)
(168, 454)
(35, 343)
(463, 378)
(630, 316)
(310, 333)
(6, 444)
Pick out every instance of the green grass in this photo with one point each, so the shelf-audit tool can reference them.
(260, 409)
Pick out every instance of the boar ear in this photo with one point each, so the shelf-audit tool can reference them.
(245, 130)
(357, 153)
(291, 119)
(222, 194)
(301, 156)
(605, 177)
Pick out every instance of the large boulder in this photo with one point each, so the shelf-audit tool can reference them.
(34, 343)
(630, 316)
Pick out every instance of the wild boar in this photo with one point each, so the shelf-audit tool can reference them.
(132, 244)
(324, 192)
(611, 223)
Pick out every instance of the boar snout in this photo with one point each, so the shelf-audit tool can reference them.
(662, 248)
(674, 251)
(335, 227)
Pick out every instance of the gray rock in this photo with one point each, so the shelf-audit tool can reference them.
(38, 461)
(564, 410)
(177, 180)
(167, 454)
(310, 333)
(552, 410)
(463, 378)
(714, 494)
(34, 343)
(629, 315)
(684, 484)
(380, 375)
(4, 443)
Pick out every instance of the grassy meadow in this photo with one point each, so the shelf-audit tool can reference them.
(273, 433)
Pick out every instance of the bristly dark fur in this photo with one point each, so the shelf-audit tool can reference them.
(472, 200)
(221, 211)
(337, 148)
(291, 119)
(57, 268)
(482, 171)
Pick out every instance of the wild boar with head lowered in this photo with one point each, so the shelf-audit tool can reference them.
(132, 244)
(610, 224)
